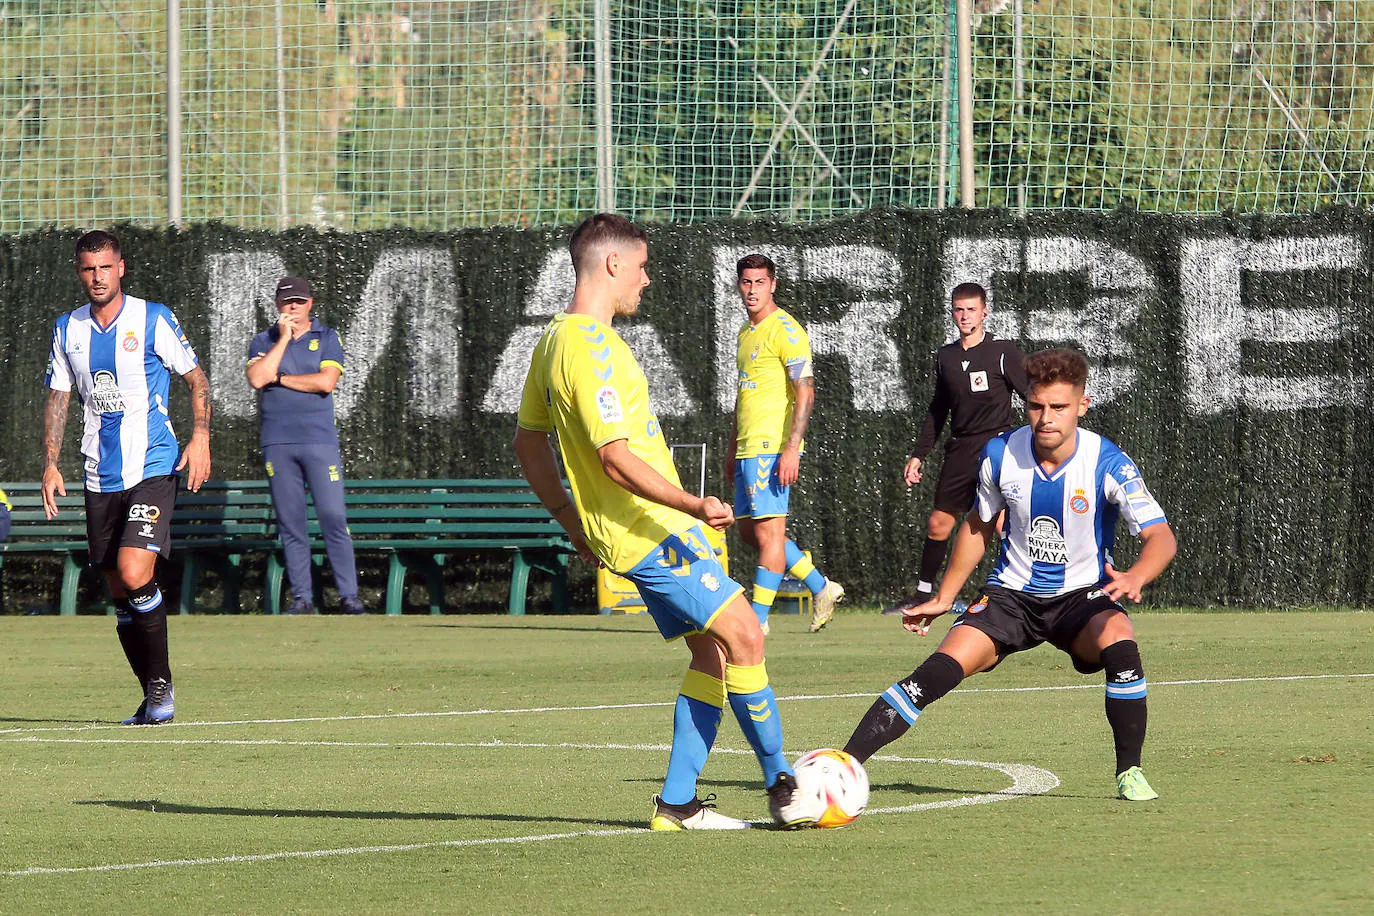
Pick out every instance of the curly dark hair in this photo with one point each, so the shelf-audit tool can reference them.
(1060, 365)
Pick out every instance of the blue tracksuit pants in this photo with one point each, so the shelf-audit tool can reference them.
(290, 470)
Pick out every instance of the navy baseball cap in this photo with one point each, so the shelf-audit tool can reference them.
(294, 289)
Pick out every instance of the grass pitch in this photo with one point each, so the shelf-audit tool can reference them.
(479, 764)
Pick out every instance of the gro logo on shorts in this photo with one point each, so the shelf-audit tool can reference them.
(144, 512)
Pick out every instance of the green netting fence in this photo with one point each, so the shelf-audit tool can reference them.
(363, 114)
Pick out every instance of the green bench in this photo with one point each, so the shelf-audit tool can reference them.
(417, 524)
(214, 528)
(33, 535)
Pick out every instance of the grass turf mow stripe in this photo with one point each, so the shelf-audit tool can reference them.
(1026, 781)
(94, 726)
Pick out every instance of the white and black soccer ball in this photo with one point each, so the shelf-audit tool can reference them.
(832, 785)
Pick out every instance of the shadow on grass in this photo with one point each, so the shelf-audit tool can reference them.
(156, 806)
(906, 787)
(522, 626)
(52, 720)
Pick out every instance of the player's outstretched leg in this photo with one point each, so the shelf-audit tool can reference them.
(1126, 713)
(825, 593)
(695, 721)
(901, 704)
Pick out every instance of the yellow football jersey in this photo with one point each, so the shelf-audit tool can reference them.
(766, 400)
(585, 385)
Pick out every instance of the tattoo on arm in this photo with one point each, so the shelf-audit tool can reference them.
(200, 400)
(54, 425)
(806, 399)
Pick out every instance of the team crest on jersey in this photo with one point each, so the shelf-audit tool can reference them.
(1079, 502)
(130, 342)
(978, 381)
(105, 395)
(754, 353)
(608, 405)
(980, 605)
(314, 345)
(1045, 542)
(710, 582)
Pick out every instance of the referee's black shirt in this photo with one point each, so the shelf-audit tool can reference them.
(972, 391)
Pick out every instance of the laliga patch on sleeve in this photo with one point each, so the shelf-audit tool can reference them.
(608, 405)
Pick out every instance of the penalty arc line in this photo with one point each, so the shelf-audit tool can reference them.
(1027, 781)
(651, 705)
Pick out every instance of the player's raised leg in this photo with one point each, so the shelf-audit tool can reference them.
(825, 593)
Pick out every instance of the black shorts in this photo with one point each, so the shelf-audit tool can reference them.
(1017, 621)
(140, 516)
(959, 475)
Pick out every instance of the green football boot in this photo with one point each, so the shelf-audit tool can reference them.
(1131, 785)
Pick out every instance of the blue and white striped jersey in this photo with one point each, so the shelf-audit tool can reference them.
(121, 378)
(1060, 529)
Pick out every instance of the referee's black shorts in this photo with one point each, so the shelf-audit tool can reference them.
(959, 475)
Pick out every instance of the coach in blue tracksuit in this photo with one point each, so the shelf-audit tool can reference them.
(296, 366)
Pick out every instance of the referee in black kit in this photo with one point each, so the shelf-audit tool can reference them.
(974, 378)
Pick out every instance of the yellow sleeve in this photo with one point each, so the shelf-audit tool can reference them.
(601, 389)
(794, 349)
(534, 402)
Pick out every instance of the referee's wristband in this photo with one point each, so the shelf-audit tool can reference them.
(558, 510)
(278, 378)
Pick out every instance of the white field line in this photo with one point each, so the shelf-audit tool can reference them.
(1026, 781)
(603, 706)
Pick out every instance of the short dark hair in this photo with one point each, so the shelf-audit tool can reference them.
(599, 230)
(96, 240)
(969, 291)
(756, 262)
(1061, 365)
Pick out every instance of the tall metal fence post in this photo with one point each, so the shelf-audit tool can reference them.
(605, 141)
(174, 112)
(279, 27)
(949, 95)
(965, 27)
(1018, 91)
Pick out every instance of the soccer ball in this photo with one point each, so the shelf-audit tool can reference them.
(833, 785)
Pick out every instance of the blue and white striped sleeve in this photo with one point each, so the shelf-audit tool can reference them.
(1123, 485)
(59, 375)
(989, 500)
(170, 343)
